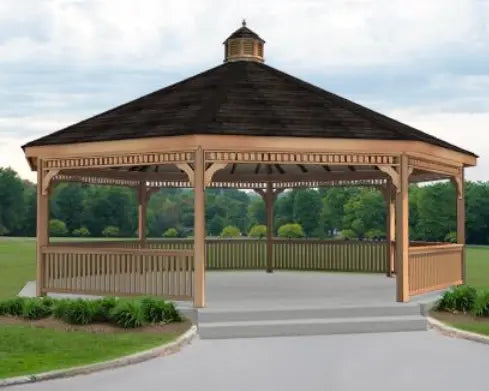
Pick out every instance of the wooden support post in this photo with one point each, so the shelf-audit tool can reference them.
(42, 230)
(199, 230)
(269, 201)
(389, 196)
(402, 233)
(459, 187)
(142, 207)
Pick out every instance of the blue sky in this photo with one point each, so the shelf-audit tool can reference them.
(425, 63)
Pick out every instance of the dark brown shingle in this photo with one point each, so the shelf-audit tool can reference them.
(240, 98)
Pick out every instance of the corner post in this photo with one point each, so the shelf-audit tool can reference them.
(459, 187)
(42, 226)
(390, 227)
(142, 207)
(199, 230)
(402, 233)
(269, 201)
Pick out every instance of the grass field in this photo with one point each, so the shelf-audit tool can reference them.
(27, 350)
(17, 265)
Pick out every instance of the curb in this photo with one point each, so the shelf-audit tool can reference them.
(456, 333)
(159, 351)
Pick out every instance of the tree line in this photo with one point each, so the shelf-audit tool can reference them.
(354, 212)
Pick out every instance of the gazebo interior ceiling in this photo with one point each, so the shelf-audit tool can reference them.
(248, 175)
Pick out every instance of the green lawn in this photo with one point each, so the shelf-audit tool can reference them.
(17, 265)
(28, 350)
(478, 266)
(474, 327)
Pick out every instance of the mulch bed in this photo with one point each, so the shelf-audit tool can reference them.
(56, 324)
(449, 317)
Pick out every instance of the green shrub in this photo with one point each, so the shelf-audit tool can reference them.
(153, 310)
(171, 313)
(3, 230)
(57, 228)
(348, 234)
(104, 306)
(461, 298)
(158, 310)
(13, 307)
(111, 231)
(230, 231)
(481, 305)
(291, 231)
(258, 231)
(170, 233)
(374, 234)
(36, 309)
(451, 237)
(127, 314)
(77, 311)
(81, 232)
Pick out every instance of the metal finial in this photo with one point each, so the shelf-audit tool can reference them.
(243, 23)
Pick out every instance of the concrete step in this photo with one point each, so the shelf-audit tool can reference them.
(242, 315)
(296, 327)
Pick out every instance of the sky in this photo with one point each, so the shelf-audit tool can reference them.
(425, 63)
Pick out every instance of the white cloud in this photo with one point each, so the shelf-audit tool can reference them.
(62, 60)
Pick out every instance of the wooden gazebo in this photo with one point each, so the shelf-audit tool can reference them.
(241, 125)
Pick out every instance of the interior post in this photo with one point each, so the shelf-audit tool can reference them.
(42, 226)
(402, 233)
(199, 230)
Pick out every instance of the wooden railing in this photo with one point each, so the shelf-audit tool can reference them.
(434, 266)
(103, 268)
(288, 254)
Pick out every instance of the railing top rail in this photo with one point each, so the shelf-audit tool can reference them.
(115, 250)
(435, 247)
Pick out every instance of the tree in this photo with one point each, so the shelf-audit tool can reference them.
(257, 213)
(291, 231)
(12, 201)
(258, 231)
(57, 228)
(307, 206)
(364, 211)
(230, 231)
(67, 204)
(170, 233)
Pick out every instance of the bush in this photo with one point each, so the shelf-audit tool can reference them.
(36, 308)
(157, 311)
(258, 231)
(81, 232)
(13, 307)
(374, 234)
(451, 237)
(76, 311)
(291, 231)
(104, 306)
(111, 231)
(3, 230)
(127, 314)
(348, 234)
(481, 305)
(461, 298)
(170, 233)
(57, 228)
(230, 231)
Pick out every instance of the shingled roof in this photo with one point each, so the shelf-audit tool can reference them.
(240, 98)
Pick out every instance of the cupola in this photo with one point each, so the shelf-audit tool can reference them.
(243, 45)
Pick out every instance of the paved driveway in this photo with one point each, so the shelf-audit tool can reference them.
(397, 361)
